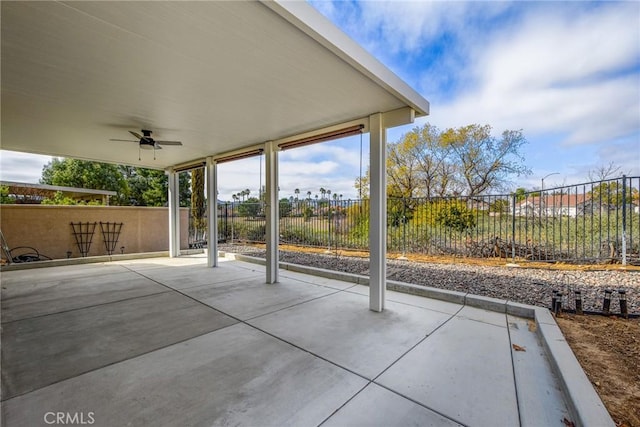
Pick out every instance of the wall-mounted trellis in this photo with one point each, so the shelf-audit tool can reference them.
(110, 235)
(83, 233)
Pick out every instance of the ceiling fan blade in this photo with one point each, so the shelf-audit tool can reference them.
(123, 140)
(169, 142)
(156, 146)
(136, 134)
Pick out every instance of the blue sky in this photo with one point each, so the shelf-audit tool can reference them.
(566, 73)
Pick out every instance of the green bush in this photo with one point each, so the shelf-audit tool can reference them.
(257, 233)
(451, 214)
(457, 217)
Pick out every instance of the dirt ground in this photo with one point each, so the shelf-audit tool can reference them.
(608, 348)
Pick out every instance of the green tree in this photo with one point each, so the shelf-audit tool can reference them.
(285, 207)
(134, 186)
(426, 162)
(149, 187)
(520, 194)
(610, 194)
(4, 195)
(197, 199)
(362, 185)
(485, 162)
(60, 199)
(419, 165)
(249, 208)
(85, 174)
(402, 168)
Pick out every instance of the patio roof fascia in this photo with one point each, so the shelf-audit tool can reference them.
(394, 118)
(76, 191)
(316, 26)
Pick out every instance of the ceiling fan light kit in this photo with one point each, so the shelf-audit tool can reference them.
(146, 142)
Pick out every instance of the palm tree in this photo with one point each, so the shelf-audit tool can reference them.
(323, 191)
(309, 195)
(297, 191)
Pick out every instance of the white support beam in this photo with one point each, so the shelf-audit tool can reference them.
(212, 212)
(271, 198)
(174, 213)
(399, 117)
(377, 213)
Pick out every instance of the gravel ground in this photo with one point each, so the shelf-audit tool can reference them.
(526, 285)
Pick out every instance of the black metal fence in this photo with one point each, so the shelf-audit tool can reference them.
(585, 223)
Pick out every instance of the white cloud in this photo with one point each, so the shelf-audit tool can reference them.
(546, 67)
(406, 26)
(567, 73)
(626, 154)
(296, 169)
(332, 165)
(345, 152)
(21, 167)
(562, 71)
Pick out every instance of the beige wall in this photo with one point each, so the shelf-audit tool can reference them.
(48, 228)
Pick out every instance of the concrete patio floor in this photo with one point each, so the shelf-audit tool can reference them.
(168, 342)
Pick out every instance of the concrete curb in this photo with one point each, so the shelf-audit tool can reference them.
(585, 405)
(92, 259)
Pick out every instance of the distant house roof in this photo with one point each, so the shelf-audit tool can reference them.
(34, 193)
(567, 200)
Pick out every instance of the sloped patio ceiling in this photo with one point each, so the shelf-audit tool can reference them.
(218, 76)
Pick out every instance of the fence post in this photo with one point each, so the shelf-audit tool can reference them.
(513, 228)
(624, 220)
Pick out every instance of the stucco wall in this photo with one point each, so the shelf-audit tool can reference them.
(48, 228)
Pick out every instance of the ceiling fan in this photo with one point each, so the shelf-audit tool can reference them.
(145, 141)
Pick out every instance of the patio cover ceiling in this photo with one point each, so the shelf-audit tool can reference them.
(218, 76)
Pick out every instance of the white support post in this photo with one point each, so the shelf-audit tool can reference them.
(212, 212)
(272, 220)
(377, 214)
(174, 214)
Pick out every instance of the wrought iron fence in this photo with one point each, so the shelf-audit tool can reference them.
(590, 222)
